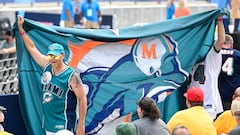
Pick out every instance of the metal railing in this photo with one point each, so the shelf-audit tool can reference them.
(32, 2)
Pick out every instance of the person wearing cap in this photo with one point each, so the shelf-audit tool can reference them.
(67, 13)
(91, 11)
(62, 88)
(205, 74)
(2, 118)
(8, 45)
(235, 109)
(149, 122)
(170, 10)
(195, 118)
(125, 128)
(226, 121)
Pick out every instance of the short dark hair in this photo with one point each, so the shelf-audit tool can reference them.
(195, 103)
(180, 127)
(149, 108)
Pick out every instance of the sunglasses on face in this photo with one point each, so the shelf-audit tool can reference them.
(50, 57)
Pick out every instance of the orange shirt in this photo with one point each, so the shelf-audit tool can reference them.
(225, 122)
(184, 11)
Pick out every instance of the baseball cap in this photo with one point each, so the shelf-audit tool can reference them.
(125, 128)
(55, 49)
(235, 106)
(194, 94)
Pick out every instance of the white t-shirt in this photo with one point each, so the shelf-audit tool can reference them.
(205, 76)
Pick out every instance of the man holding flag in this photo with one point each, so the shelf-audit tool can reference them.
(205, 74)
(62, 88)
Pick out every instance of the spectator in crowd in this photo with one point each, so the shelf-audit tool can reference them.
(235, 108)
(64, 97)
(2, 118)
(170, 9)
(9, 44)
(182, 10)
(229, 78)
(226, 122)
(91, 11)
(180, 130)
(149, 122)
(235, 13)
(205, 74)
(67, 15)
(228, 4)
(125, 128)
(195, 118)
(77, 6)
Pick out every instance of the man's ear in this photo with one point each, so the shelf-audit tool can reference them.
(188, 103)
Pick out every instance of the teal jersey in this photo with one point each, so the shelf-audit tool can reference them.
(59, 101)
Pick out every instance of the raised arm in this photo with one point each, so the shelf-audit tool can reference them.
(221, 34)
(79, 91)
(39, 58)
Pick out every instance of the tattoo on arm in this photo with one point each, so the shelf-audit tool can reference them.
(77, 80)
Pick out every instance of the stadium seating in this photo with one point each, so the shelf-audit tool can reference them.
(8, 73)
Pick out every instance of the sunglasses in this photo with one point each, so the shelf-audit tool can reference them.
(50, 57)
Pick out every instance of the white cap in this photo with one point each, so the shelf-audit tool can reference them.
(64, 132)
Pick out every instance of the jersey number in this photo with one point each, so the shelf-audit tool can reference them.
(199, 74)
(227, 67)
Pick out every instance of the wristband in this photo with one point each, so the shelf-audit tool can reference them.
(219, 19)
(23, 33)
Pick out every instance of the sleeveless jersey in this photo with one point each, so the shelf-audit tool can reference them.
(229, 78)
(59, 101)
(205, 76)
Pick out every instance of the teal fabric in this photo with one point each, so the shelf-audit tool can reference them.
(121, 85)
(59, 101)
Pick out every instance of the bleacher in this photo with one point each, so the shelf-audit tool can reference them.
(8, 73)
(8, 64)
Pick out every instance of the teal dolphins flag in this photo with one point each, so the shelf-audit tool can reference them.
(117, 66)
